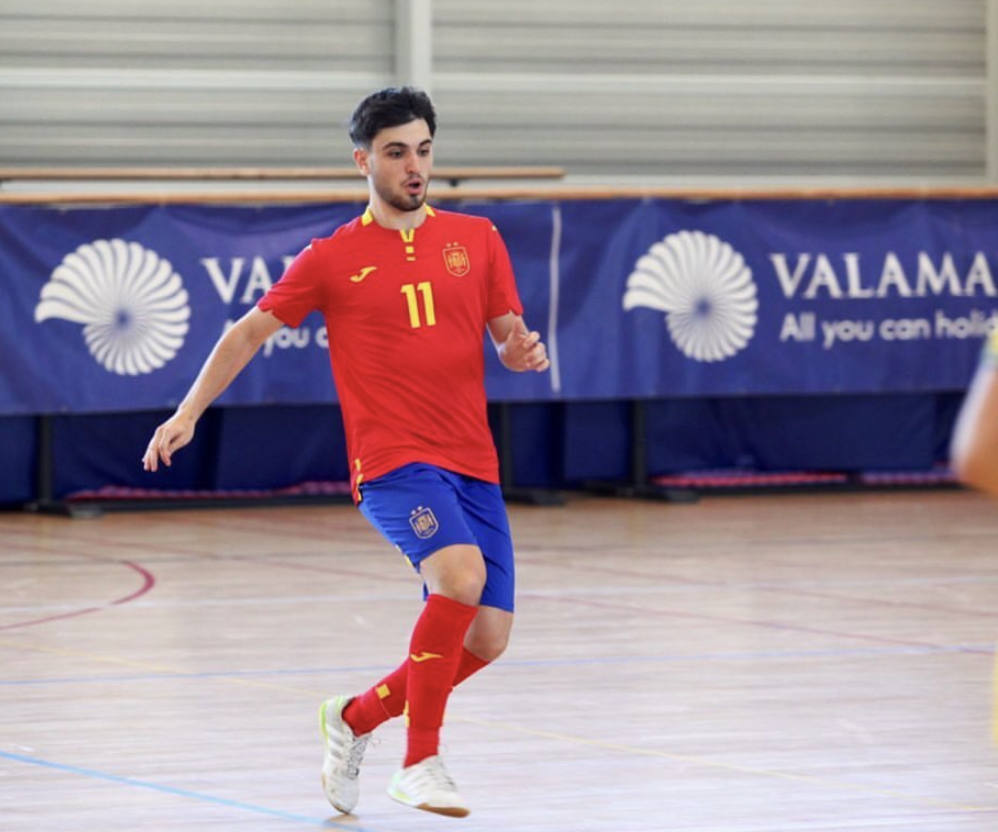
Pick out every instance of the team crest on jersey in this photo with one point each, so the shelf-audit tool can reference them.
(456, 260)
(424, 522)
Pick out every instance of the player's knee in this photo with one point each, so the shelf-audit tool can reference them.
(488, 646)
(457, 572)
(489, 634)
(464, 584)
(465, 587)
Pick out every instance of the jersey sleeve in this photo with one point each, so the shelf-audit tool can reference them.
(298, 292)
(503, 296)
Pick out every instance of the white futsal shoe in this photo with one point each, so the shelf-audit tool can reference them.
(343, 755)
(427, 785)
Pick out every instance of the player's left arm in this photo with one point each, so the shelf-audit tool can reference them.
(519, 348)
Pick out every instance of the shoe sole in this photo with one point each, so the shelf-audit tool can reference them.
(449, 811)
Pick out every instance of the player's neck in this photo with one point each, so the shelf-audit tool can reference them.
(387, 216)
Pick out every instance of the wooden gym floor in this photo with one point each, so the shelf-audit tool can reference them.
(752, 664)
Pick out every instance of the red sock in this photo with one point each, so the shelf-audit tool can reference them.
(469, 664)
(386, 699)
(434, 656)
(379, 703)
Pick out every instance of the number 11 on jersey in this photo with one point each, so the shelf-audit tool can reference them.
(412, 302)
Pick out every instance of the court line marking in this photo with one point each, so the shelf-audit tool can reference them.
(704, 762)
(166, 670)
(148, 582)
(761, 587)
(754, 622)
(132, 545)
(602, 589)
(672, 581)
(667, 658)
(176, 792)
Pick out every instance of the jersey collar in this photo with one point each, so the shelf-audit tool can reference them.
(368, 216)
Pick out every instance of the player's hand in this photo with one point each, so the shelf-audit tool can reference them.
(523, 350)
(170, 436)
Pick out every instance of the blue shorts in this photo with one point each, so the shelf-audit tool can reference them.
(421, 508)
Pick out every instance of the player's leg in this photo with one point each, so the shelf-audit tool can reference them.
(470, 593)
(415, 508)
(485, 514)
(454, 577)
(451, 573)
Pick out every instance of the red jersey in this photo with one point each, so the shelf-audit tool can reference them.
(406, 312)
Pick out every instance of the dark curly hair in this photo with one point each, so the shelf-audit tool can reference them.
(390, 107)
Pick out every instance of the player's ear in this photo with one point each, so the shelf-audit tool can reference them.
(360, 159)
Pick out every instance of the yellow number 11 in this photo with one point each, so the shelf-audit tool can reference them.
(426, 290)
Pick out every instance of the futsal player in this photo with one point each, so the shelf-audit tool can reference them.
(974, 451)
(407, 292)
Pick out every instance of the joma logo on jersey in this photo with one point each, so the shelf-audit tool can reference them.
(364, 272)
(456, 260)
(424, 523)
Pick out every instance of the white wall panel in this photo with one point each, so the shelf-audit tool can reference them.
(658, 88)
(671, 88)
(233, 81)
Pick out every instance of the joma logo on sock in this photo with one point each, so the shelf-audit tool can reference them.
(422, 657)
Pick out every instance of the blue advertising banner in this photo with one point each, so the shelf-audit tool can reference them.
(116, 309)
(720, 298)
(112, 309)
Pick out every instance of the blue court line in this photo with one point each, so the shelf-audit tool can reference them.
(204, 798)
(669, 658)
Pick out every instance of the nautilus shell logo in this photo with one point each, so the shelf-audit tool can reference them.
(131, 302)
(705, 289)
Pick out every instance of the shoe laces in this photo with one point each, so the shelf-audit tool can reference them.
(349, 750)
(434, 775)
(356, 755)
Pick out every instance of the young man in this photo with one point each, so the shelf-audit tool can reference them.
(407, 292)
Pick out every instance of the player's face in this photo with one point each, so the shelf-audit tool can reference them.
(398, 164)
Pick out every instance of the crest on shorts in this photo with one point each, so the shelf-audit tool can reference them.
(456, 260)
(424, 522)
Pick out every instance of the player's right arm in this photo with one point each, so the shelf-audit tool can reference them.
(974, 449)
(232, 352)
